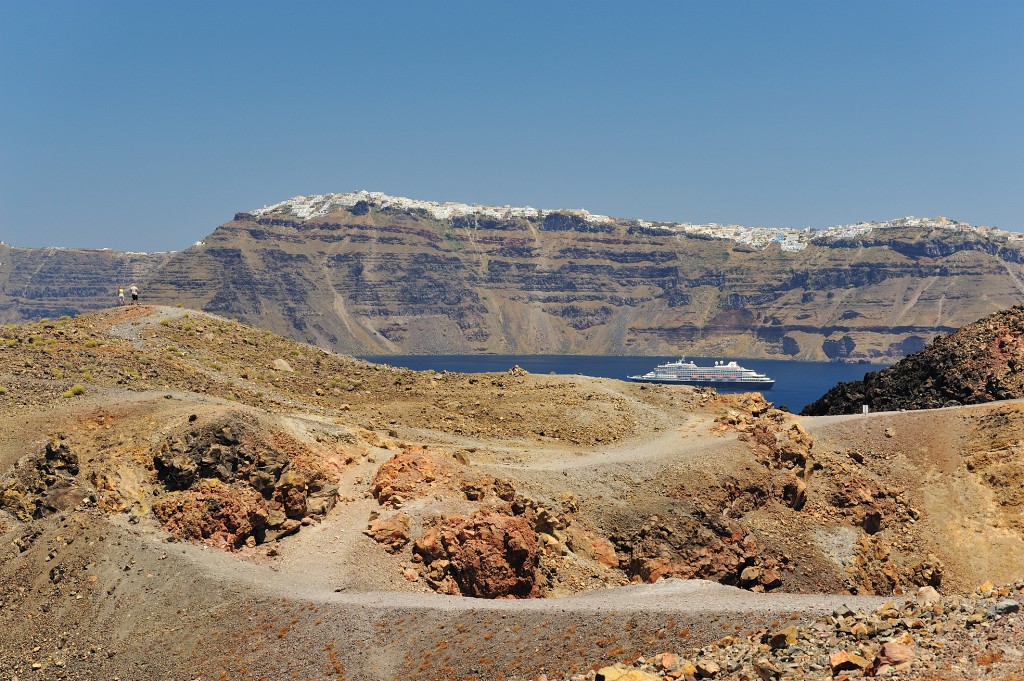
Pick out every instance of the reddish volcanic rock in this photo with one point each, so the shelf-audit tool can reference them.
(486, 555)
(401, 476)
(229, 478)
(719, 550)
(392, 533)
(593, 546)
(494, 556)
(216, 513)
(415, 472)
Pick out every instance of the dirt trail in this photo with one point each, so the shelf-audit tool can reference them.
(681, 442)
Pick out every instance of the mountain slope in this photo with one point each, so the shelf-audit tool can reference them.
(981, 362)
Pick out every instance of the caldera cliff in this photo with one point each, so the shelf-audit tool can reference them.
(366, 273)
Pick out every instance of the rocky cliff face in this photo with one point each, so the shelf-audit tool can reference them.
(382, 275)
(981, 362)
(52, 282)
(376, 280)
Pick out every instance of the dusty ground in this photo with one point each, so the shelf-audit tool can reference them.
(659, 518)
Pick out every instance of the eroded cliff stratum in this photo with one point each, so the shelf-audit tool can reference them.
(370, 274)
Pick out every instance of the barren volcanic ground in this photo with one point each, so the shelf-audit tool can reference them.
(184, 497)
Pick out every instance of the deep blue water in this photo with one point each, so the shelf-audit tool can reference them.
(796, 383)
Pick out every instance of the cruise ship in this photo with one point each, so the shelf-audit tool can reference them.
(721, 375)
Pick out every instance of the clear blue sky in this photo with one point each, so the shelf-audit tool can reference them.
(144, 125)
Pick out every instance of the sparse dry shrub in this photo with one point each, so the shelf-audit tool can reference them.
(75, 390)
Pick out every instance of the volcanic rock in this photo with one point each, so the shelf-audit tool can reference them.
(487, 554)
(43, 484)
(981, 362)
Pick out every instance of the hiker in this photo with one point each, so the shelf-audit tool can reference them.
(135, 294)
(120, 295)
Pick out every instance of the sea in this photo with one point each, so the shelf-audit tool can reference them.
(797, 384)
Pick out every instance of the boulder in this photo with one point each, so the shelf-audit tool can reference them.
(290, 492)
(927, 595)
(1006, 606)
(392, 532)
(707, 668)
(766, 670)
(783, 638)
(404, 476)
(619, 672)
(893, 654)
(666, 661)
(428, 547)
(486, 554)
(842, 661)
(891, 657)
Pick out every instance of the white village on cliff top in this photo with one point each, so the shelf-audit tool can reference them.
(788, 238)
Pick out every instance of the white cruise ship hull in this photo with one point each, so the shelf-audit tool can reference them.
(721, 375)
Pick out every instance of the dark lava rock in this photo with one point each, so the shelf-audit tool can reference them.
(980, 362)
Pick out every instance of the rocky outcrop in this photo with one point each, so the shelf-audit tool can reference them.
(780, 445)
(485, 555)
(219, 514)
(229, 483)
(392, 532)
(981, 362)
(43, 484)
(702, 548)
(414, 473)
(871, 511)
(472, 534)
